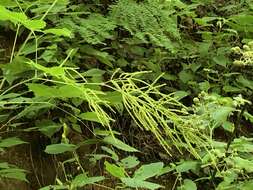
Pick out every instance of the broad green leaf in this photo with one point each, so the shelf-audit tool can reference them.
(228, 88)
(59, 32)
(248, 116)
(149, 170)
(105, 132)
(188, 185)
(168, 76)
(34, 24)
(229, 176)
(241, 163)
(228, 126)
(15, 69)
(18, 17)
(185, 166)
(180, 94)
(130, 162)
(137, 183)
(60, 148)
(65, 91)
(245, 82)
(221, 60)
(4, 165)
(53, 71)
(14, 173)
(113, 97)
(242, 144)
(221, 113)
(15, 17)
(186, 76)
(166, 170)
(94, 73)
(8, 3)
(119, 144)
(43, 90)
(9, 142)
(48, 128)
(90, 116)
(70, 91)
(246, 185)
(49, 55)
(82, 180)
(113, 154)
(35, 109)
(204, 86)
(114, 170)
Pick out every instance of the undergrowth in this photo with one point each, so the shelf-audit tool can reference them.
(77, 78)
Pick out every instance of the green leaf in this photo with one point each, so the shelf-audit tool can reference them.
(34, 24)
(114, 156)
(241, 163)
(15, 69)
(114, 170)
(186, 76)
(8, 3)
(59, 32)
(221, 60)
(9, 142)
(60, 148)
(180, 94)
(90, 116)
(137, 183)
(48, 128)
(185, 166)
(228, 88)
(130, 162)
(4, 165)
(248, 116)
(119, 144)
(18, 17)
(242, 144)
(188, 185)
(65, 91)
(245, 82)
(82, 180)
(204, 86)
(165, 170)
(221, 113)
(149, 170)
(246, 185)
(13, 173)
(228, 126)
(42, 90)
(105, 132)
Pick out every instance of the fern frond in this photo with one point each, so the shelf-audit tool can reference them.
(149, 21)
(96, 28)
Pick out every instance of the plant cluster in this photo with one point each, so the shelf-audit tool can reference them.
(85, 82)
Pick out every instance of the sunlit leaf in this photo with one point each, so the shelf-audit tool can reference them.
(59, 32)
(119, 144)
(130, 162)
(147, 171)
(114, 170)
(82, 180)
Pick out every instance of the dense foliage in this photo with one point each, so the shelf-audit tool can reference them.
(126, 94)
